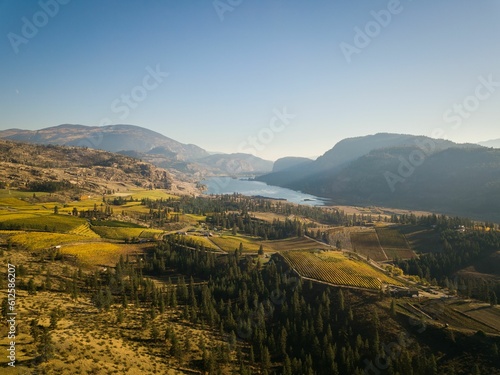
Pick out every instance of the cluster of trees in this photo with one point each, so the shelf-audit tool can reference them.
(239, 203)
(289, 327)
(48, 186)
(460, 249)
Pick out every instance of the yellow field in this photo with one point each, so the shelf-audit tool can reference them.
(335, 268)
(152, 194)
(43, 240)
(84, 230)
(97, 253)
(195, 218)
(200, 240)
(230, 243)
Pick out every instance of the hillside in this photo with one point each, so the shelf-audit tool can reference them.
(111, 138)
(290, 162)
(347, 151)
(462, 182)
(141, 143)
(455, 179)
(31, 167)
(235, 164)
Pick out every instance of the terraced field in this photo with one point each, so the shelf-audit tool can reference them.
(335, 268)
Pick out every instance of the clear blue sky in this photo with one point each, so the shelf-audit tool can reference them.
(230, 70)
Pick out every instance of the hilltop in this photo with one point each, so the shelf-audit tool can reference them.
(141, 143)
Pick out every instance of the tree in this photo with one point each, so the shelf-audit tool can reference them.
(393, 307)
(338, 245)
(34, 329)
(155, 333)
(5, 307)
(261, 250)
(31, 287)
(56, 210)
(45, 345)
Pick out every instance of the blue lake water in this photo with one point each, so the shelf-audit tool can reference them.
(228, 185)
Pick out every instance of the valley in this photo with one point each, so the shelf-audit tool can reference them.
(115, 256)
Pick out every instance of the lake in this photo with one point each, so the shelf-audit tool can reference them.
(228, 185)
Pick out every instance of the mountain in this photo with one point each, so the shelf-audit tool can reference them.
(134, 141)
(495, 143)
(345, 152)
(403, 171)
(235, 164)
(288, 162)
(111, 138)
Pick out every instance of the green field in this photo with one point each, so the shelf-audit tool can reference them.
(114, 224)
(122, 233)
(49, 222)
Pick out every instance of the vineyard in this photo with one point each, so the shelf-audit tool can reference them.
(98, 253)
(366, 243)
(335, 268)
(230, 243)
(391, 238)
(122, 233)
(43, 240)
(297, 243)
(54, 223)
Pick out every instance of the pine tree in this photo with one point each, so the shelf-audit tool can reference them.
(45, 346)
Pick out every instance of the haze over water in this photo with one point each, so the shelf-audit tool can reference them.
(228, 185)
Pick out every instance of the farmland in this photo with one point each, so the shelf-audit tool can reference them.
(422, 239)
(123, 233)
(98, 253)
(366, 243)
(296, 243)
(337, 269)
(230, 243)
(42, 240)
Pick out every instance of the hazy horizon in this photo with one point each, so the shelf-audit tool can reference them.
(271, 78)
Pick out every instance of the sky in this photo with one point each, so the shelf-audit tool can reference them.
(269, 77)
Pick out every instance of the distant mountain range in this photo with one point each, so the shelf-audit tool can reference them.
(403, 171)
(145, 144)
(495, 143)
(396, 170)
